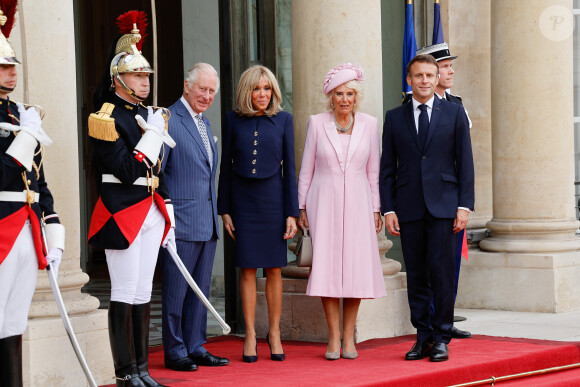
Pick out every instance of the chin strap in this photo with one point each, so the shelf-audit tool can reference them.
(8, 89)
(123, 85)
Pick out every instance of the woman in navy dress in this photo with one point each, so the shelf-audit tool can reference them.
(257, 196)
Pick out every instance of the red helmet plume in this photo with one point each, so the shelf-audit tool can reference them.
(126, 21)
(8, 7)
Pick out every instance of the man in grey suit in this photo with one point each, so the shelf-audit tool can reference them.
(190, 170)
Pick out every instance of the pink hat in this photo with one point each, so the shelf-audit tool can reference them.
(342, 74)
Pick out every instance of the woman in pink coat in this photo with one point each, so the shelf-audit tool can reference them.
(338, 195)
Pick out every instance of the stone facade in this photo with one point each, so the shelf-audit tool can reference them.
(514, 73)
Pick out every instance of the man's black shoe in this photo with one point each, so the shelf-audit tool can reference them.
(459, 334)
(182, 364)
(209, 360)
(419, 351)
(439, 352)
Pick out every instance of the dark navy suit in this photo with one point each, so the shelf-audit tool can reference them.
(191, 183)
(424, 187)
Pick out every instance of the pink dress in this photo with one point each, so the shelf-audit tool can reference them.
(339, 188)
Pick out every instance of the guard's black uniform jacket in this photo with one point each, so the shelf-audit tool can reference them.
(13, 215)
(122, 208)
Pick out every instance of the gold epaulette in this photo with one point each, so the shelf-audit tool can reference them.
(101, 125)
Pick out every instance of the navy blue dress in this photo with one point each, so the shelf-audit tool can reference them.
(257, 185)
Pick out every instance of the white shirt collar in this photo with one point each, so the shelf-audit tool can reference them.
(428, 103)
(188, 107)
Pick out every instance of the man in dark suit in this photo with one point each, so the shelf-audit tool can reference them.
(444, 59)
(427, 192)
(190, 174)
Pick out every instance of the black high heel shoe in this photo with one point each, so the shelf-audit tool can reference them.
(250, 359)
(274, 356)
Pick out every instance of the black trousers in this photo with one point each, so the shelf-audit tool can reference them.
(429, 252)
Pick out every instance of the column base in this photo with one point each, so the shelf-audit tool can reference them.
(48, 358)
(303, 317)
(532, 236)
(525, 282)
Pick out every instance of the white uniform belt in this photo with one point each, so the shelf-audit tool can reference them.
(9, 196)
(108, 178)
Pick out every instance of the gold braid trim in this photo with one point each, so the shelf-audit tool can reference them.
(101, 125)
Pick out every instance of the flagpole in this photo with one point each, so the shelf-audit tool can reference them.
(437, 25)
(409, 44)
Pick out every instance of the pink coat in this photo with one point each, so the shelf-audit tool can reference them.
(340, 197)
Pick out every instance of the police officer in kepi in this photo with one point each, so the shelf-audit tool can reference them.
(133, 216)
(25, 201)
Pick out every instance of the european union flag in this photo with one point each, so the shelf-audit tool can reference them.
(409, 44)
(437, 27)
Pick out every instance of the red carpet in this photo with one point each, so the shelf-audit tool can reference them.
(380, 363)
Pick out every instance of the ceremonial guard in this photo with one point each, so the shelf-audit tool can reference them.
(25, 202)
(133, 215)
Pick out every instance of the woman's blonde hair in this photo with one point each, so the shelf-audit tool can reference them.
(248, 81)
(359, 97)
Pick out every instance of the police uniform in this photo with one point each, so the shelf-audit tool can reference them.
(133, 214)
(25, 200)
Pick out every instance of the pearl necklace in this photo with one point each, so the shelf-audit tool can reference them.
(340, 128)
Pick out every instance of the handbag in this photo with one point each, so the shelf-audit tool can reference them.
(304, 249)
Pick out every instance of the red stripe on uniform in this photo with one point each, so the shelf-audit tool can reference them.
(100, 216)
(11, 227)
(37, 237)
(161, 204)
(132, 218)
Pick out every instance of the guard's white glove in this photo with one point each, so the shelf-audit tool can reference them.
(156, 123)
(54, 257)
(170, 239)
(31, 123)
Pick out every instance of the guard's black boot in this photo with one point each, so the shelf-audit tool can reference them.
(121, 337)
(11, 361)
(141, 317)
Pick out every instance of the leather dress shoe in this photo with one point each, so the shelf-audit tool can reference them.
(439, 352)
(209, 360)
(419, 351)
(181, 364)
(459, 334)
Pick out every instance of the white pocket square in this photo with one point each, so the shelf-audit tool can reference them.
(215, 139)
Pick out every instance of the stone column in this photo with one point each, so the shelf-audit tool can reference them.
(44, 40)
(326, 33)
(530, 262)
(473, 83)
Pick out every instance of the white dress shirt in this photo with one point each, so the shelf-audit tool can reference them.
(417, 111)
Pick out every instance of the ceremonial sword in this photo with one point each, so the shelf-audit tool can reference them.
(64, 316)
(173, 252)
